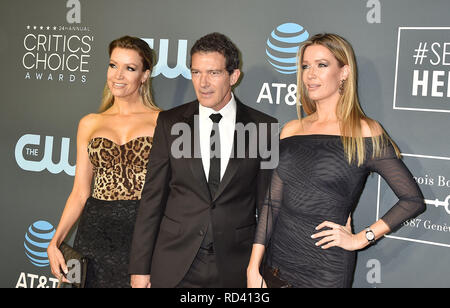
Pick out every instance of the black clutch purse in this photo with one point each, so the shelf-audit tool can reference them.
(70, 253)
(272, 279)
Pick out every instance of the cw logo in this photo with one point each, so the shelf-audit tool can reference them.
(162, 66)
(28, 140)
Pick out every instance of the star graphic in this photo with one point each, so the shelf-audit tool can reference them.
(48, 28)
(34, 27)
(54, 28)
(41, 27)
(28, 27)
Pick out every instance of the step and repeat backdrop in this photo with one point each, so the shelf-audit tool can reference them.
(54, 59)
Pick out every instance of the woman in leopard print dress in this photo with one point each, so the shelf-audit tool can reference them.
(113, 148)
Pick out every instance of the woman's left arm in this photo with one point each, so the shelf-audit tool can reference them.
(410, 204)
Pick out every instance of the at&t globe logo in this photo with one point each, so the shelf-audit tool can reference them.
(281, 52)
(282, 47)
(37, 239)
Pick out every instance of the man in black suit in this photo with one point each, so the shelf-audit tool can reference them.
(197, 217)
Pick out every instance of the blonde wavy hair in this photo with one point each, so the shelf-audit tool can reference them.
(146, 53)
(348, 111)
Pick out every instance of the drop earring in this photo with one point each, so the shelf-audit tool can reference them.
(342, 87)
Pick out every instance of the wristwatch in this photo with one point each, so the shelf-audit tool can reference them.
(370, 236)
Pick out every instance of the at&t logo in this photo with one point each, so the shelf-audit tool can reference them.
(283, 45)
(26, 145)
(162, 67)
(37, 239)
(281, 52)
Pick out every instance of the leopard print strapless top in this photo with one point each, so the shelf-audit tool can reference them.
(119, 170)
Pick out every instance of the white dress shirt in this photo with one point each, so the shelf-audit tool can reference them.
(226, 127)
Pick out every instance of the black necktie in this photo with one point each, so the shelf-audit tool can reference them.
(214, 173)
(214, 167)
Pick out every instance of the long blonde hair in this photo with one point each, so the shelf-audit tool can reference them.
(349, 112)
(146, 53)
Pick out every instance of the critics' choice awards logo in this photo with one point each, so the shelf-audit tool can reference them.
(281, 52)
(422, 77)
(58, 53)
(170, 70)
(31, 156)
(37, 239)
(432, 174)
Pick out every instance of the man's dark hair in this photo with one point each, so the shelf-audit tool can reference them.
(217, 42)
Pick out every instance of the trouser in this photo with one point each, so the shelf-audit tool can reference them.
(203, 272)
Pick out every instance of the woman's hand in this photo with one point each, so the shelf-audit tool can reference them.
(57, 263)
(337, 235)
(255, 280)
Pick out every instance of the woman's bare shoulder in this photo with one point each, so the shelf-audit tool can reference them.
(291, 128)
(88, 123)
(153, 114)
(371, 128)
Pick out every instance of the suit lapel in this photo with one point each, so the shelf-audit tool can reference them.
(195, 162)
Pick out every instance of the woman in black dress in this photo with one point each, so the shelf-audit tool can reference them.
(113, 148)
(325, 159)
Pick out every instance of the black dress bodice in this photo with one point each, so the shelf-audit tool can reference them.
(314, 183)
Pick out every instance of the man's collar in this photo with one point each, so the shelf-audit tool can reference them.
(228, 110)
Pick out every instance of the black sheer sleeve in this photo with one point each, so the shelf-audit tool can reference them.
(270, 209)
(411, 202)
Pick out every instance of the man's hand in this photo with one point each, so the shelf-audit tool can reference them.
(140, 281)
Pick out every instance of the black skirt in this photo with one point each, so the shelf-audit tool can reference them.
(104, 236)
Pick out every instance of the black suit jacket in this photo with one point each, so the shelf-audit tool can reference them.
(176, 205)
